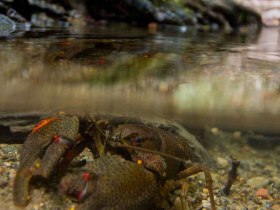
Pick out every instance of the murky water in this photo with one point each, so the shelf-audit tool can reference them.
(228, 81)
(201, 79)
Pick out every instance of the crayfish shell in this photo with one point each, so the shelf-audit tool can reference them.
(114, 183)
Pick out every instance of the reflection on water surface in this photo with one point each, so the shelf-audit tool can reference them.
(222, 80)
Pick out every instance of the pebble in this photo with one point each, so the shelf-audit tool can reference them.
(263, 193)
(268, 204)
(255, 199)
(3, 182)
(35, 207)
(240, 208)
(223, 201)
(222, 162)
(163, 87)
(275, 207)
(204, 195)
(215, 131)
(7, 164)
(270, 169)
(257, 182)
(12, 173)
(243, 197)
(205, 190)
(236, 134)
(7, 25)
(8, 148)
(276, 180)
(205, 204)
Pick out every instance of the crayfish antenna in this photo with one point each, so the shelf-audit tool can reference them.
(120, 145)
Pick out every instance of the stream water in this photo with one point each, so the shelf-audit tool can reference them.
(213, 83)
(229, 81)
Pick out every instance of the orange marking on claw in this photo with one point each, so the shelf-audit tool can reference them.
(43, 123)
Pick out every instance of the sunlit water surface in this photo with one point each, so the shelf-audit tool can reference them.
(200, 79)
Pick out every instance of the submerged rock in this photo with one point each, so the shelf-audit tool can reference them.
(258, 182)
(222, 162)
(225, 15)
(7, 25)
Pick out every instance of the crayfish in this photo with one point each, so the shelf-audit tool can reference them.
(135, 166)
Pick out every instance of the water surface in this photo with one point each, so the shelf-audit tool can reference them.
(230, 81)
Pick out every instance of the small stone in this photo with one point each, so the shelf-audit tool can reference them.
(267, 204)
(269, 169)
(223, 200)
(205, 190)
(204, 195)
(205, 204)
(9, 149)
(240, 179)
(257, 182)
(153, 27)
(275, 207)
(3, 182)
(237, 134)
(256, 200)
(12, 174)
(35, 207)
(163, 87)
(263, 193)
(222, 162)
(240, 208)
(276, 180)
(7, 164)
(215, 130)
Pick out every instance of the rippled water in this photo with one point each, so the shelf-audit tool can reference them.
(202, 79)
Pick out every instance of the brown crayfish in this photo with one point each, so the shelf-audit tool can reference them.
(135, 166)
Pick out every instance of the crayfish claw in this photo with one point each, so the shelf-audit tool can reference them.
(21, 185)
(40, 154)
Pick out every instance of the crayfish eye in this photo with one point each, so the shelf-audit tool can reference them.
(138, 140)
(135, 139)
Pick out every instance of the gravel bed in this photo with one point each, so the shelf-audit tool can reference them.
(257, 185)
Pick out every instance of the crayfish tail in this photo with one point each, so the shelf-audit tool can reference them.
(21, 188)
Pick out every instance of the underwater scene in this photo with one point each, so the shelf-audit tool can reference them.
(139, 105)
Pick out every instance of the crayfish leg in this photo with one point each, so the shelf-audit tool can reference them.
(183, 195)
(197, 168)
(180, 202)
(71, 154)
